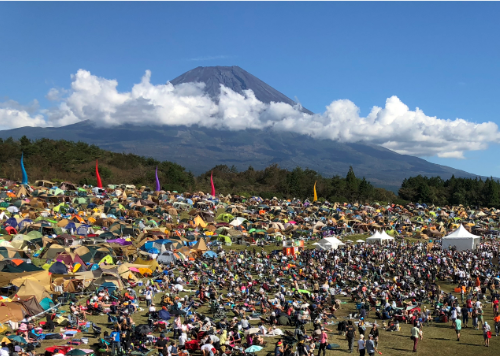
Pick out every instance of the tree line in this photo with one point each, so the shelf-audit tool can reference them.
(61, 160)
(453, 191)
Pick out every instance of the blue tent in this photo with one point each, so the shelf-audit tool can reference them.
(71, 225)
(210, 254)
(46, 303)
(82, 230)
(58, 268)
(151, 244)
(12, 222)
(24, 223)
(154, 251)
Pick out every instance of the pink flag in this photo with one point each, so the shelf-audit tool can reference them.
(212, 183)
(99, 182)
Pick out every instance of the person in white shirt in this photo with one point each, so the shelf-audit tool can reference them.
(182, 341)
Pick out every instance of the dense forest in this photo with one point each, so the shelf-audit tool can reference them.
(60, 160)
(454, 191)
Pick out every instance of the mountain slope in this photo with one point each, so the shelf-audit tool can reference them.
(199, 149)
(235, 78)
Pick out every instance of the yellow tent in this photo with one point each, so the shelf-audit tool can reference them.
(108, 259)
(151, 263)
(198, 221)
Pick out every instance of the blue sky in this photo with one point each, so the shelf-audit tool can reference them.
(441, 57)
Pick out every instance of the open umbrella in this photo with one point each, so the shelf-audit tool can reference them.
(251, 331)
(254, 348)
(76, 352)
(18, 339)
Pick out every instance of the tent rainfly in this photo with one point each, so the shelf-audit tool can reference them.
(461, 239)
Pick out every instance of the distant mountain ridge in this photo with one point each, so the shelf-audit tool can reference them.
(199, 149)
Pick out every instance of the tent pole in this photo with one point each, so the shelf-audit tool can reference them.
(46, 311)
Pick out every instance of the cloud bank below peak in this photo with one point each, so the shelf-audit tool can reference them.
(393, 126)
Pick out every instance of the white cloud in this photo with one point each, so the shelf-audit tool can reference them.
(393, 126)
(11, 118)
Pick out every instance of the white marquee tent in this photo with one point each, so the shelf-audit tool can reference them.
(379, 237)
(462, 239)
(329, 243)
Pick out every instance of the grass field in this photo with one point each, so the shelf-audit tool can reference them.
(439, 339)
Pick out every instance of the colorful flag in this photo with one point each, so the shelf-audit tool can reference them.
(99, 183)
(158, 187)
(212, 183)
(25, 175)
(315, 194)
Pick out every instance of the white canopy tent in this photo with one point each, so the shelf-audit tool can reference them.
(461, 239)
(329, 243)
(379, 237)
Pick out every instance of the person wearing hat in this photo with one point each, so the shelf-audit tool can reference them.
(361, 345)
(370, 346)
(278, 350)
(323, 342)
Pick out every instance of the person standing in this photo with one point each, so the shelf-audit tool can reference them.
(115, 344)
(486, 334)
(496, 319)
(416, 333)
(149, 296)
(370, 346)
(465, 315)
(350, 335)
(361, 345)
(458, 327)
(161, 345)
(323, 342)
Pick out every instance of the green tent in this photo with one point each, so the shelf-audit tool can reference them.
(226, 239)
(224, 218)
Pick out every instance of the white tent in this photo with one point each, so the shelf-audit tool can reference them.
(379, 237)
(462, 239)
(329, 243)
